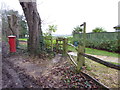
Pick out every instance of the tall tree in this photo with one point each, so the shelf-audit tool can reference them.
(9, 14)
(14, 26)
(35, 41)
(98, 29)
(77, 29)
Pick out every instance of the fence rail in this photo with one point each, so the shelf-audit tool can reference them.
(73, 46)
(72, 59)
(108, 64)
(81, 55)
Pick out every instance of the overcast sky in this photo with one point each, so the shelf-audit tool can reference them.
(67, 14)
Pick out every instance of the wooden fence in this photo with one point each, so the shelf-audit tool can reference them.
(61, 45)
(49, 43)
(80, 55)
(79, 63)
(63, 42)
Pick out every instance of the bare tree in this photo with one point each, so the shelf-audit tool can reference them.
(14, 26)
(35, 41)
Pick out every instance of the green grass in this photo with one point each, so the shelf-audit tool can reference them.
(115, 63)
(101, 52)
(23, 39)
(102, 73)
(71, 49)
(96, 52)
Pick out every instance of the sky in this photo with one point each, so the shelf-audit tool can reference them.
(119, 12)
(67, 14)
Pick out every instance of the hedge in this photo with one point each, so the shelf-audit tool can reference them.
(109, 41)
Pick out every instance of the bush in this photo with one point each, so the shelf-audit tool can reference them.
(70, 40)
(108, 45)
(109, 41)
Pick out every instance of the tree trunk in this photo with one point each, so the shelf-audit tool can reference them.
(13, 26)
(35, 41)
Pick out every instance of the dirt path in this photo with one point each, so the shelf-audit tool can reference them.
(14, 77)
(20, 72)
(16, 68)
(23, 71)
(105, 58)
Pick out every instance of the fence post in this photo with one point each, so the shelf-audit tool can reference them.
(57, 45)
(84, 40)
(80, 58)
(65, 47)
(51, 43)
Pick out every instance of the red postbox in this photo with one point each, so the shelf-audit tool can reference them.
(12, 43)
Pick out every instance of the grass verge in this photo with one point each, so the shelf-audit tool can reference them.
(96, 52)
(23, 39)
(101, 52)
(104, 74)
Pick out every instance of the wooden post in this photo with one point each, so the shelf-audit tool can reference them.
(57, 45)
(81, 49)
(51, 43)
(84, 40)
(65, 47)
(80, 58)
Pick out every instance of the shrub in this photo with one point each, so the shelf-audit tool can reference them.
(105, 40)
(108, 45)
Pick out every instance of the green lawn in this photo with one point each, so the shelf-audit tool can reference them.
(96, 52)
(101, 52)
(23, 39)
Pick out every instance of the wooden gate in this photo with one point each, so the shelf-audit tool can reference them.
(61, 46)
